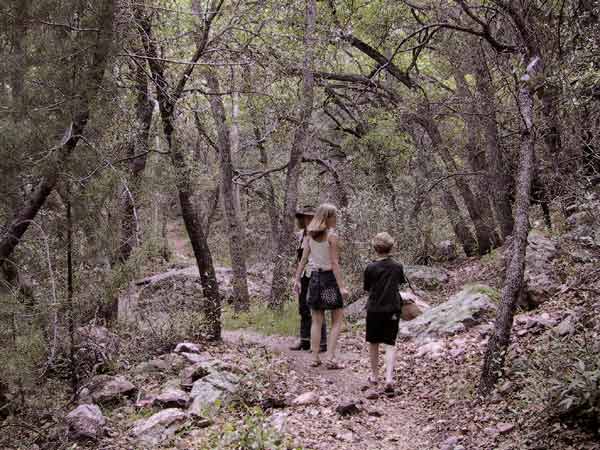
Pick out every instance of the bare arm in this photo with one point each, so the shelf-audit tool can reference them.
(302, 263)
(335, 262)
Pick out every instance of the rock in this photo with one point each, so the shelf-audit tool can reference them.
(347, 409)
(217, 386)
(95, 348)
(450, 443)
(308, 398)
(539, 281)
(187, 347)
(105, 389)
(504, 427)
(462, 311)
(278, 422)
(86, 422)
(566, 327)
(152, 366)
(191, 374)
(433, 350)
(195, 358)
(159, 427)
(427, 277)
(172, 398)
(445, 251)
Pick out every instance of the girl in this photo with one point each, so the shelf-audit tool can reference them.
(326, 288)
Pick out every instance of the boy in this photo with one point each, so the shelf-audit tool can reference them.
(384, 306)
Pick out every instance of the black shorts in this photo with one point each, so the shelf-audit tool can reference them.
(382, 328)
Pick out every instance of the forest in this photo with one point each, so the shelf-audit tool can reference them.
(157, 158)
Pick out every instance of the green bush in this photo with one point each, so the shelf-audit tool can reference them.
(264, 320)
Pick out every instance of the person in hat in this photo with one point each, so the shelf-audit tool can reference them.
(304, 216)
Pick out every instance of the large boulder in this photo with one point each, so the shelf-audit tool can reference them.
(540, 281)
(86, 422)
(159, 427)
(463, 310)
(427, 277)
(446, 251)
(218, 387)
(106, 389)
(171, 397)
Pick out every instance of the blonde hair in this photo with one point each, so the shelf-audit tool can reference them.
(383, 243)
(318, 226)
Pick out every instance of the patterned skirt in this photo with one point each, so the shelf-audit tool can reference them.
(323, 291)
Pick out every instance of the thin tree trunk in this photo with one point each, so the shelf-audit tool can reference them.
(271, 204)
(22, 218)
(498, 175)
(70, 308)
(498, 344)
(138, 145)
(285, 242)
(20, 57)
(192, 217)
(235, 231)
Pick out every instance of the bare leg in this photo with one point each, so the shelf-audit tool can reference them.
(374, 357)
(337, 317)
(390, 360)
(315, 332)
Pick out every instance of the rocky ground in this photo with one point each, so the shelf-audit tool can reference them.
(251, 391)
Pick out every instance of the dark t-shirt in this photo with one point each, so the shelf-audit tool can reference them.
(382, 280)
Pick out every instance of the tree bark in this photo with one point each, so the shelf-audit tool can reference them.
(286, 241)
(192, 218)
(461, 230)
(22, 218)
(497, 170)
(271, 203)
(235, 231)
(498, 344)
(138, 145)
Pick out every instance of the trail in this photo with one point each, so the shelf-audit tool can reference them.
(318, 426)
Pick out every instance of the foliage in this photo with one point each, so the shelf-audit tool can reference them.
(264, 319)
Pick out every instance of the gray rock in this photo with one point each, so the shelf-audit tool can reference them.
(427, 277)
(104, 389)
(172, 398)
(159, 427)
(347, 409)
(187, 347)
(86, 422)
(539, 279)
(216, 387)
(195, 358)
(462, 311)
(450, 443)
(152, 366)
(446, 251)
(95, 348)
(191, 374)
(566, 327)
(307, 398)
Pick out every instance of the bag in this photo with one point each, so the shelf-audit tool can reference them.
(410, 310)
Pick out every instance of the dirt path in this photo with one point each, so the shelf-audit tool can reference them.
(385, 423)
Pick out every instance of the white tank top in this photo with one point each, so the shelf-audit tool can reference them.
(319, 258)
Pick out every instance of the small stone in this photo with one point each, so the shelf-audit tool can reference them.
(566, 327)
(450, 443)
(347, 409)
(375, 413)
(504, 427)
(195, 358)
(187, 347)
(308, 398)
(104, 389)
(86, 422)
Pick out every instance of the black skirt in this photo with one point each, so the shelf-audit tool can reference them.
(382, 328)
(323, 291)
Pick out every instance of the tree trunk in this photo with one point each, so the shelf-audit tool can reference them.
(286, 241)
(498, 344)
(483, 232)
(498, 174)
(271, 203)
(477, 159)
(137, 151)
(22, 218)
(192, 217)
(20, 58)
(235, 231)
(461, 230)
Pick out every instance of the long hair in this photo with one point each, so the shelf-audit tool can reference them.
(318, 226)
